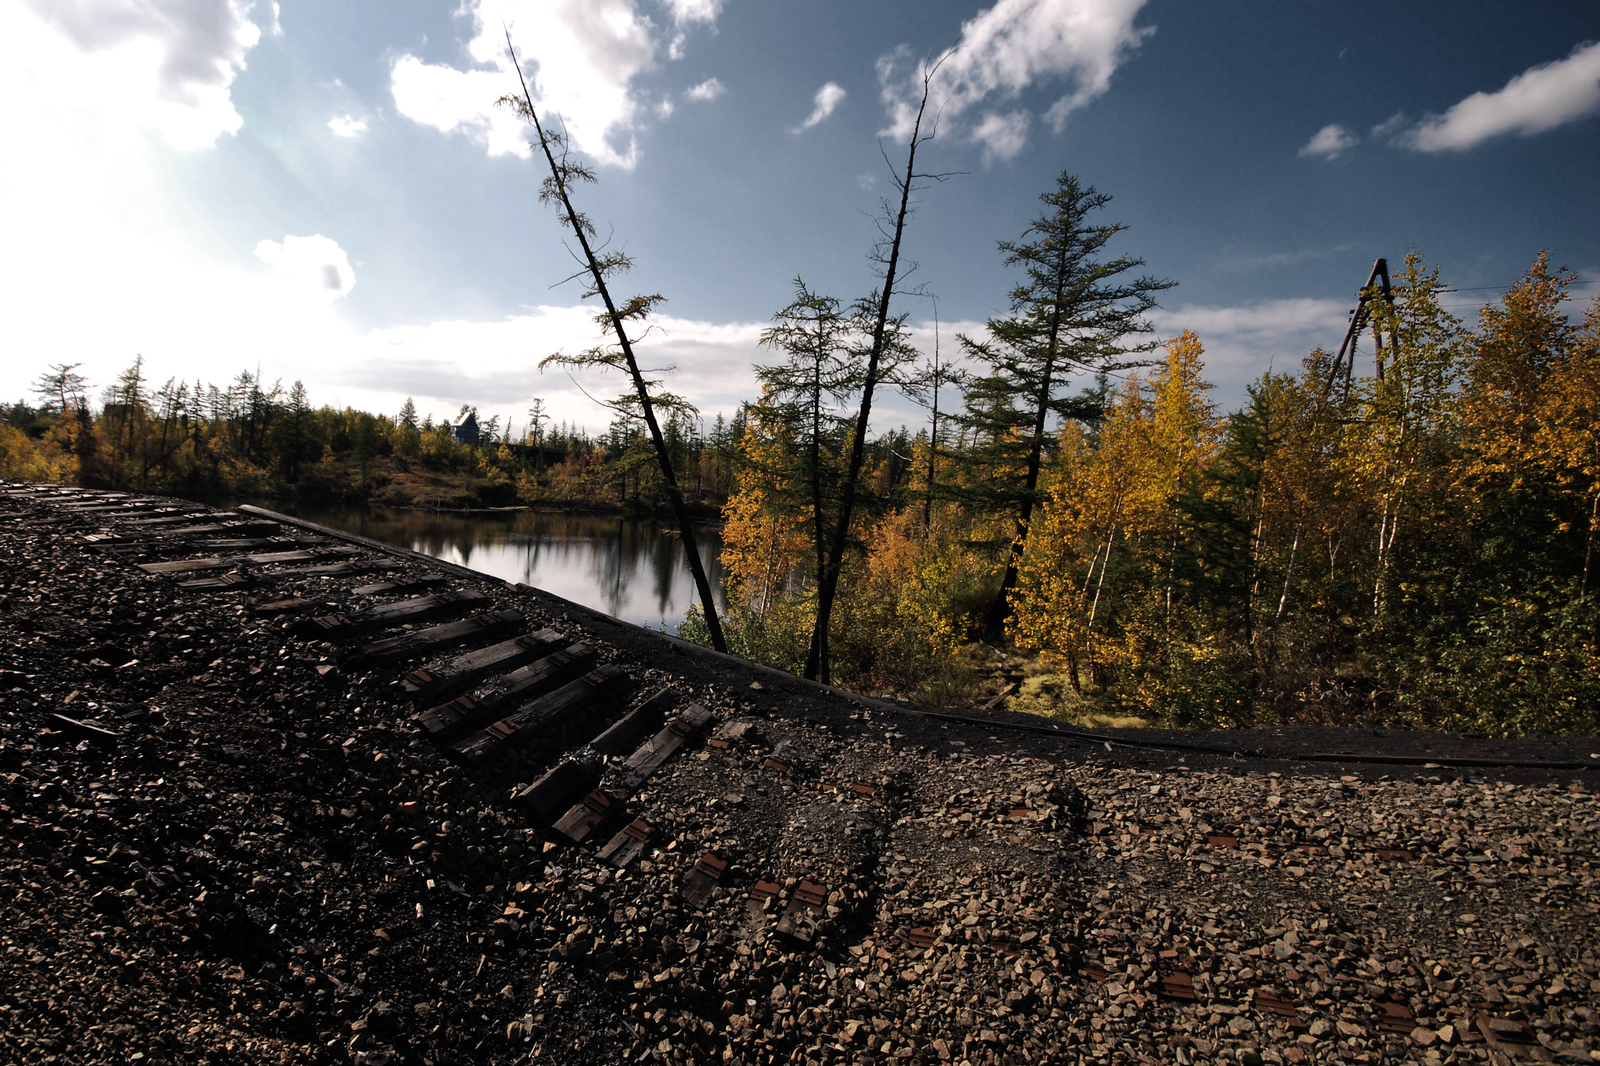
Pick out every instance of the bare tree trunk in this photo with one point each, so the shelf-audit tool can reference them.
(1094, 607)
(1588, 555)
(647, 408)
(1294, 552)
(817, 665)
(819, 533)
(1111, 535)
(933, 433)
(1096, 562)
(1377, 581)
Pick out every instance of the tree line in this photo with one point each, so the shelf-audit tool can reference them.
(249, 438)
(1413, 546)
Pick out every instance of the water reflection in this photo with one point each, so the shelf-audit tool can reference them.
(629, 568)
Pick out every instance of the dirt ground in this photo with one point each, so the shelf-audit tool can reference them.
(221, 840)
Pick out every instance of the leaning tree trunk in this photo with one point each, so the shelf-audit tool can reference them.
(817, 666)
(679, 508)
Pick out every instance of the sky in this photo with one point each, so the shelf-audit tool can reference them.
(325, 191)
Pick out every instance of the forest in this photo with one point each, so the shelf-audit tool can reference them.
(245, 438)
(1413, 546)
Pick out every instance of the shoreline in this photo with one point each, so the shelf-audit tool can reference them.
(534, 508)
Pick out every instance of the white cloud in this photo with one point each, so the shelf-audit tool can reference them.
(1002, 136)
(580, 56)
(90, 213)
(1391, 127)
(165, 64)
(313, 265)
(428, 362)
(95, 271)
(685, 12)
(828, 97)
(709, 89)
(1242, 342)
(448, 99)
(1536, 100)
(1329, 142)
(347, 125)
(1011, 47)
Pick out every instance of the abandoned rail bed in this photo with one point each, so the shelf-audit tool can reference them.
(280, 793)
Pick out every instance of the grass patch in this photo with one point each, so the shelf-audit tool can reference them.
(1051, 695)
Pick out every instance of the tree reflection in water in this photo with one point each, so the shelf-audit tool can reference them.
(629, 568)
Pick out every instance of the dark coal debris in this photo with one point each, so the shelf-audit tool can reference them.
(228, 837)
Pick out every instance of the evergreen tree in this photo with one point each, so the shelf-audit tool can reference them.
(536, 420)
(295, 428)
(1072, 313)
(801, 411)
(62, 389)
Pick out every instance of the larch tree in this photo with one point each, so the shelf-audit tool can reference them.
(616, 320)
(62, 389)
(804, 395)
(65, 391)
(1520, 343)
(885, 338)
(296, 428)
(766, 541)
(1525, 352)
(1073, 312)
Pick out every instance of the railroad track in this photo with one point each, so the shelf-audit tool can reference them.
(483, 685)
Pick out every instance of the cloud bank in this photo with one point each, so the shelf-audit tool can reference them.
(1007, 49)
(425, 361)
(172, 62)
(1242, 342)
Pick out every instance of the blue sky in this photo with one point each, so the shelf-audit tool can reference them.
(325, 190)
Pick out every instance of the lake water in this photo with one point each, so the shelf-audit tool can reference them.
(629, 568)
